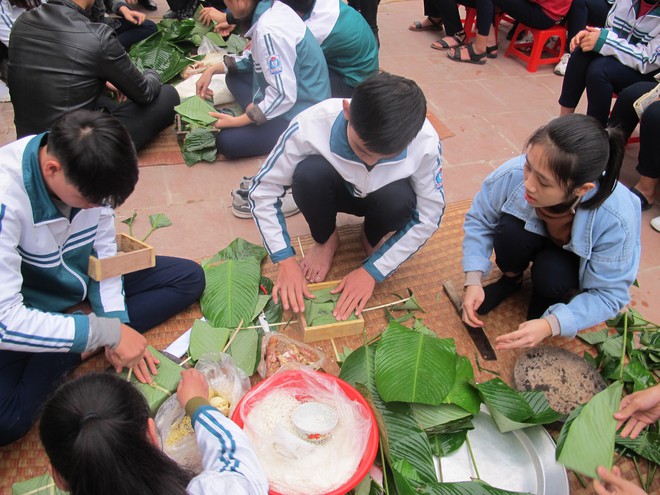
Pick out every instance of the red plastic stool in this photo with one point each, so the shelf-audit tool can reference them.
(470, 20)
(534, 58)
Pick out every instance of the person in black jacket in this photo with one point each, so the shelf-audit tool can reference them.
(60, 61)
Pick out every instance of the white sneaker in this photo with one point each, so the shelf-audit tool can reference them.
(246, 182)
(289, 206)
(240, 206)
(655, 223)
(560, 68)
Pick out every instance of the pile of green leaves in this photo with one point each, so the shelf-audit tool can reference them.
(167, 51)
(199, 143)
(318, 311)
(234, 293)
(423, 397)
(628, 356)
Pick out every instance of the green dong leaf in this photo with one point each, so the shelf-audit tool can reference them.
(231, 293)
(412, 367)
(205, 338)
(402, 438)
(587, 439)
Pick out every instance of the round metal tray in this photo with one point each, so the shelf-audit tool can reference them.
(522, 460)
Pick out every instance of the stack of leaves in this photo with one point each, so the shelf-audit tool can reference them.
(318, 311)
(164, 382)
(628, 356)
(199, 143)
(420, 391)
(41, 485)
(235, 292)
(167, 51)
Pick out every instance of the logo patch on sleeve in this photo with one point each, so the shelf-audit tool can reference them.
(274, 64)
(437, 175)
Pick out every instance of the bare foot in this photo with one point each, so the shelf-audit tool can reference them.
(316, 264)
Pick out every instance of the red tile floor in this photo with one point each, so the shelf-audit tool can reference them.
(490, 108)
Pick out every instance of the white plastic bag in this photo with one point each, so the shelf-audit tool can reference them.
(221, 94)
(178, 440)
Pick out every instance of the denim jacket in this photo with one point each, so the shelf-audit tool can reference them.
(607, 239)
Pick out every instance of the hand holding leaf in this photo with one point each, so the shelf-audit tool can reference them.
(638, 411)
(615, 484)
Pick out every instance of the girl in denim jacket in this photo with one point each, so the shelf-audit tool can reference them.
(560, 208)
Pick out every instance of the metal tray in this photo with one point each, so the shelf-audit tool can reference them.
(522, 460)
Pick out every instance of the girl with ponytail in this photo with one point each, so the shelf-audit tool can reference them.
(100, 439)
(560, 208)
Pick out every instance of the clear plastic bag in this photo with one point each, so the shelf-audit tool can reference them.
(225, 380)
(287, 459)
(207, 46)
(281, 352)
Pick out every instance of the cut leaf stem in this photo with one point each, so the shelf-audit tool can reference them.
(623, 347)
(384, 465)
(580, 479)
(474, 463)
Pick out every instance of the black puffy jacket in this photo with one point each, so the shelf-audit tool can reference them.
(59, 61)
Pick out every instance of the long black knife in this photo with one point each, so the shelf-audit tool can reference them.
(477, 334)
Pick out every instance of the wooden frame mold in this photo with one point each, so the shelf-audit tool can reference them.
(331, 330)
(132, 255)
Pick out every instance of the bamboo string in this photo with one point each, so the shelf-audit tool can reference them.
(272, 324)
(50, 485)
(334, 347)
(233, 336)
(185, 361)
(302, 251)
(130, 372)
(386, 305)
(159, 388)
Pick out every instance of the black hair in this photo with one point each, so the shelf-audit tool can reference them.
(97, 155)
(387, 112)
(299, 6)
(94, 430)
(579, 150)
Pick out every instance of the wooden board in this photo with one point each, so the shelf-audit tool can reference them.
(132, 255)
(331, 330)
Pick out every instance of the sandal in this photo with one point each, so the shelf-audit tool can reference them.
(646, 205)
(475, 58)
(441, 44)
(491, 51)
(434, 26)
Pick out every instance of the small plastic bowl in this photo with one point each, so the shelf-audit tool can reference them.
(314, 421)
